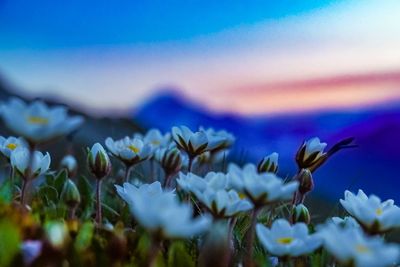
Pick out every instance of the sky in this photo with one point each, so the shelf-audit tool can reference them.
(251, 57)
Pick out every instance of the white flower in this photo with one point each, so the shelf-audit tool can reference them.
(20, 161)
(349, 245)
(155, 138)
(375, 216)
(98, 161)
(144, 190)
(31, 249)
(347, 221)
(222, 203)
(262, 189)
(269, 163)
(310, 152)
(8, 145)
(70, 164)
(284, 239)
(130, 151)
(193, 143)
(218, 140)
(38, 122)
(192, 183)
(161, 213)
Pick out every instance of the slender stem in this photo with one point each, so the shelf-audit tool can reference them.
(12, 175)
(23, 191)
(71, 212)
(231, 243)
(248, 262)
(99, 218)
(191, 159)
(128, 169)
(153, 252)
(28, 174)
(167, 180)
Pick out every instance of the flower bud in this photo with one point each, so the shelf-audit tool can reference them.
(306, 182)
(170, 160)
(300, 213)
(70, 164)
(98, 161)
(70, 194)
(269, 163)
(310, 153)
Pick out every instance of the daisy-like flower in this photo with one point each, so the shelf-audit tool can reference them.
(218, 140)
(269, 163)
(193, 143)
(27, 167)
(283, 239)
(37, 122)
(8, 145)
(371, 213)
(351, 247)
(347, 221)
(262, 189)
(166, 216)
(129, 151)
(310, 153)
(155, 138)
(194, 184)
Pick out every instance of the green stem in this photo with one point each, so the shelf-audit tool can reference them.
(99, 218)
(127, 173)
(248, 261)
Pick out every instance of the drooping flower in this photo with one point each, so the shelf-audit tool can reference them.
(350, 246)
(8, 145)
(310, 153)
(129, 151)
(98, 161)
(69, 163)
(27, 167)
(269, 163)
(261, 188)
(36, 121)
(193, 143)
(283, 239)
(162, 214)
(371, 213)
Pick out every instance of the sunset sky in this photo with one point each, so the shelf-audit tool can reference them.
(254, 58)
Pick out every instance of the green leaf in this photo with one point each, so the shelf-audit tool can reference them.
(6, 194)
(9, 242)
(87, 200)
(48, 194)
(178, 256)
(84, 237)
(60, 180)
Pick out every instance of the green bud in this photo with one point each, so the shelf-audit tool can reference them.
(98, 161)
(306, 182)
(171, 160)
(269, 163)
(70, 194)
(300, 213)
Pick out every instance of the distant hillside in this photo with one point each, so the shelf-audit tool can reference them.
(372, 166)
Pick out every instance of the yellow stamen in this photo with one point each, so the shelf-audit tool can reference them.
(362, 249)
(242, 196)
(11, 146)
(285, 240)
(378, 211)
(38, 120)
(133, 148)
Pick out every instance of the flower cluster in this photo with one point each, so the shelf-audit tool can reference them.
(177, 206)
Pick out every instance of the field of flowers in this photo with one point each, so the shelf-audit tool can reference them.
(187, 206)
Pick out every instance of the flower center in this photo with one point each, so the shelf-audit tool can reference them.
(38, 120)
(155, 142)
(242, 195)
(11, 146)
(362, 249)
(285, 240)
(134, 148)
(378, 211)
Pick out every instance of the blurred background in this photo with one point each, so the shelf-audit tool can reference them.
(271, 72)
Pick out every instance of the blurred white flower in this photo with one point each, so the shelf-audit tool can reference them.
(374, 215)
(192, 183)
(144, 190)
(8, 145)
(261, 188)
(310, 152)
(70, 164)
(349, 245)
(98, 161)
(162, 214)
(155, 138)
(38, 122)
(130, 151)
(27, 167)
(283, 239)
(269, 163)
(218, 140)
(347, 221)
(222, 203)
(193, 143)
(31, 249)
